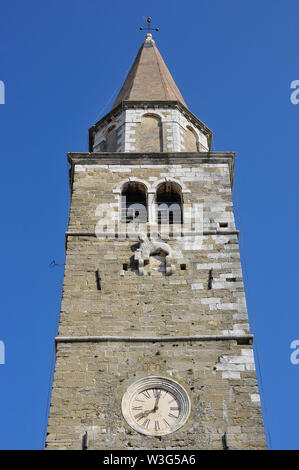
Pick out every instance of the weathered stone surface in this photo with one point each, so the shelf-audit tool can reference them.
(90, 378)
(87, 396)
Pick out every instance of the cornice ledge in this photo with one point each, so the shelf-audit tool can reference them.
(123, 158)
(135, 339)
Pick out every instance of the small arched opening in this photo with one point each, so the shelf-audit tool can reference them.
(134, 202)
(169, 203)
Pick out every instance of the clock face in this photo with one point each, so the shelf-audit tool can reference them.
(156, 406)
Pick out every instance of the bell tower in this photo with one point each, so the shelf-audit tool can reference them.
(154, 349)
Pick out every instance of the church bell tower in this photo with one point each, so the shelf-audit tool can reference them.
(154, 349)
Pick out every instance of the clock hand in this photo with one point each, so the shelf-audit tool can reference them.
(145, 413)
(157, 401)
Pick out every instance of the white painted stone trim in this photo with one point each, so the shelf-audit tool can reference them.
(120, 185)
(169, 179)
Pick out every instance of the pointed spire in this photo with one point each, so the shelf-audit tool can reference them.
(149, 78)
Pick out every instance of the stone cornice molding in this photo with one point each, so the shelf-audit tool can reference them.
(154, 339)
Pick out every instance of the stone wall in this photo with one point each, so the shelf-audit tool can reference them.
(91, 378)
(219, 375)
(207, 184)
(154, 304)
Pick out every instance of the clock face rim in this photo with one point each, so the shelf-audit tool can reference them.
(163, 383)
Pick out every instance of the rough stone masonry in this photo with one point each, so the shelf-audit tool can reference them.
(180, 314)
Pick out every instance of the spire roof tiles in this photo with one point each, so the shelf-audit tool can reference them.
(149, 78)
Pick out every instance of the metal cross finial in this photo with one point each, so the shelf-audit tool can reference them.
(148, 21)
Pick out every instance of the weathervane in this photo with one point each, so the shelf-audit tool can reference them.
(148, 21)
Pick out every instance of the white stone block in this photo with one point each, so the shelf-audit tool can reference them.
(236, 360)
(120, 170)
(255, 398)
(247, 352)
(227, 366)
(80, 169)
(227, 306)
(210, 300)
(197, 286)
(208, 266)
(231, 375)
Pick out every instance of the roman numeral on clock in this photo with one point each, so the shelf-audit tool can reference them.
(146, 394)
(157, 426)
(146, 423)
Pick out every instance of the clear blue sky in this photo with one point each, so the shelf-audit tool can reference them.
(61, 61)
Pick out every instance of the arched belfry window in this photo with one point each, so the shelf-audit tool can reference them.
(134, 202)
(169, 203)
(191, 141)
